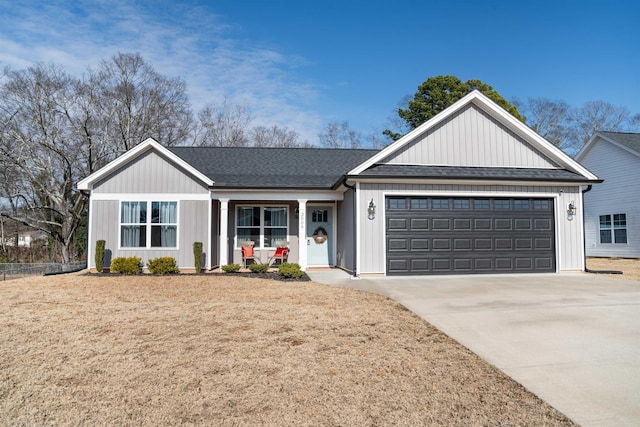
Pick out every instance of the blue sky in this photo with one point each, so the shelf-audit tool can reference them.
(303, 64)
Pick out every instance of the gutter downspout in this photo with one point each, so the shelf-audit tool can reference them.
(584, 241)
(355, 218)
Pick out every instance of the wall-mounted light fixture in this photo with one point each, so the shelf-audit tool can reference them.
(371, 210)
(571, 208)
(296, 212)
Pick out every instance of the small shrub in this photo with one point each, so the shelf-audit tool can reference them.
(197, 256)
(100, 244)
(259, 268)
(129, 265)
(290, 270)
(231, 268)
(163, 265)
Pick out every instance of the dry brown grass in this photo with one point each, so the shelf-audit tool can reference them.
(630, 267)
(207, 350)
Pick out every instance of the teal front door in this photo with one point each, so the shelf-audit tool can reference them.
(320, 235)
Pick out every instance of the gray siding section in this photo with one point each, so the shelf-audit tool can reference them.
(470, 138)
(619, 193)
(346, 232)
(215, 232)
(104, 226)
(192, 227)
(150, 173)
(372, 232)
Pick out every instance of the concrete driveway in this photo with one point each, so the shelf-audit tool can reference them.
(572, 339)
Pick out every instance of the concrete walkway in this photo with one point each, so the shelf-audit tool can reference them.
(572, 339)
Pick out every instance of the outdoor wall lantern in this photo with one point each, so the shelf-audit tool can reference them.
(296, 212)
(371, 210)
(571, 208)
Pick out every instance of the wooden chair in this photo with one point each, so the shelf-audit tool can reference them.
(248, 254)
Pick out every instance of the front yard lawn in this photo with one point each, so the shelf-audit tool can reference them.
(214, 349)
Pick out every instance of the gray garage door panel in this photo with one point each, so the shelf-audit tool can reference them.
(436, 235)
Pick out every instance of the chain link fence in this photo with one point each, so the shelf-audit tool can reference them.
(17, 270)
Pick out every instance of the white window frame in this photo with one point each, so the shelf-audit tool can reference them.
(612, 229)
(148, 225)
(258, 245)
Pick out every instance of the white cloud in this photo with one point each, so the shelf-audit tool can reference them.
(178, 41)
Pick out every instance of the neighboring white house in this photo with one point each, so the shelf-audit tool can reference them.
(25, 238)
(612, 209)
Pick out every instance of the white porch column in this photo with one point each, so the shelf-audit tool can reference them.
(224, 232)
(302, 233)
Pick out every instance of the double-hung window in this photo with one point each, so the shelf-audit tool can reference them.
(613, 228)
(264, 225)
(148, 224)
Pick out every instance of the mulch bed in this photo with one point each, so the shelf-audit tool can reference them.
(272, 275)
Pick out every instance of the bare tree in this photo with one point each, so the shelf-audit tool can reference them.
(276, 136)
(569, 128)
(549, 118)
(600, 115)
(132, 102)
(226, 125)
(56, 129)
(41, 149)
(340, 135)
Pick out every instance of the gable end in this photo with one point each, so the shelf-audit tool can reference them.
(149, 173)
(470, 138)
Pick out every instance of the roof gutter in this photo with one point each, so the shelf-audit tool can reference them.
(478, 178)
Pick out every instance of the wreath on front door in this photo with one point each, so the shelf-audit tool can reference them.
(320, 235)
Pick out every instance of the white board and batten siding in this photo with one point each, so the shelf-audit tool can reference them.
(470, 138)
(150, 177)
(619, 193)
(569, 253)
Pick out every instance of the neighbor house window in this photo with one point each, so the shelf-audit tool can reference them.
(149, 224)
(263, 225)
(613, 228)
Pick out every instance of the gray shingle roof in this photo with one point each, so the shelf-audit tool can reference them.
(629, 140)
(319, 168)
(476, 173)
(253, 167)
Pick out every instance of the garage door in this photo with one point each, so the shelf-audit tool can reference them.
(445, 235)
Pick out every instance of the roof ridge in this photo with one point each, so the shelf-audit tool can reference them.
(276, 148)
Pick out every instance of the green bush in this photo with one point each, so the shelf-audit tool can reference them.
(259, 268)
(163, 265)
(197, 256)
(130, 265)
(290, 270)
(100, 244)
(231, 268)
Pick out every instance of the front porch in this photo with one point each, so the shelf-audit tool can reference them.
(307, 225)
